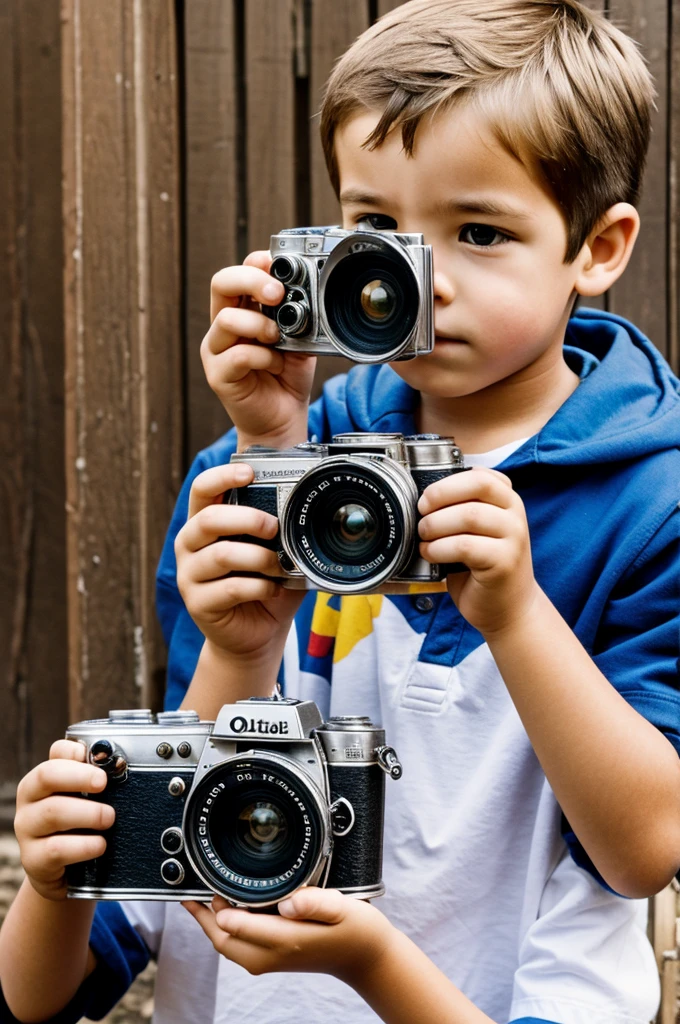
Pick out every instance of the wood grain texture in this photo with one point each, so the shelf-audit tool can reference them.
(388, 5)
(270, 119)
(214, 203)
(123, 395)
(333, 28)
(33, 651)
(641, 293)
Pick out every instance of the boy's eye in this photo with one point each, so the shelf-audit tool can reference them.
(378, 221)
(482, 235)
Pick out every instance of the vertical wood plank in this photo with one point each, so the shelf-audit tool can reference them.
(597, 301)
(663, 937)
(13, 564)
(157, 359)
(270, 119)
(388, 5)
(33, 649)
(333, 28)
(214, 202)
(122, 307)
(641, 294)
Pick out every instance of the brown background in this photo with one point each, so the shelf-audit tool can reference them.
(144, 144)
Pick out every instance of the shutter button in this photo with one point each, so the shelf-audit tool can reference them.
(424, 604)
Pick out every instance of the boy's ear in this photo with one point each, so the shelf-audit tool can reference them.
(606, 251)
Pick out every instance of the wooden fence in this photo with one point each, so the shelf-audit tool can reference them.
(143, 145)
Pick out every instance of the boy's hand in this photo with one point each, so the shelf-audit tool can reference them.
(478, 519)
(46, 816)
(238, 612)
(317, 930)
(264, 391)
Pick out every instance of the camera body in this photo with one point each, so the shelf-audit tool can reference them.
(348, 517)
(252, 806)
(364, 294)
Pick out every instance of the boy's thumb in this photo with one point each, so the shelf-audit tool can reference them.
(312, 904)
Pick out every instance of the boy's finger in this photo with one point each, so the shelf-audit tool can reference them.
(234, 365)
(230, 284)
(219, 596)
(64, 813)
(477, 485)
(69, 750)
(259, 258)
(44, 859)
(216, 521)
(60, 776)
(210, 486)
(478, 517)
(479, 554)
(264, 930)
(314, 904)
(233, 324)
(223, 558)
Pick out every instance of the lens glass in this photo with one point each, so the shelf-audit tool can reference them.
(371, 301)
(254, 830)
(378, 300)
(352, 530)
(345, 523)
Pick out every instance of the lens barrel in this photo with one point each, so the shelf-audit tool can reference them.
(255, 829)
(349, 523)
(369, 298)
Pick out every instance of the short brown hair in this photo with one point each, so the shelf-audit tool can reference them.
(564, 90)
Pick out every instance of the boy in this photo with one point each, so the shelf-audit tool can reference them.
(512, 134)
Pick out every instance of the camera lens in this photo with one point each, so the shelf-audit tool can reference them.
(254, 829)
(371, 302)
(349, 525)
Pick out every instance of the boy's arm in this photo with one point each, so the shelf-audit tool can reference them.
(44, 953)
(614, 774)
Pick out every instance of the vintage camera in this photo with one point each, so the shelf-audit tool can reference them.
(262, 801)
(348, 518)
(364, 294)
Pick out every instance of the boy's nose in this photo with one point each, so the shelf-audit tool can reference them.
(444, 289)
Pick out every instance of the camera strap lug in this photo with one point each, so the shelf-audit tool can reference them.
(389, 762)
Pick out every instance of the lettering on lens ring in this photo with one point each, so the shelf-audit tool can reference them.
(240, 724)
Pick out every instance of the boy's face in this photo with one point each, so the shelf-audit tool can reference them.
(502, 290)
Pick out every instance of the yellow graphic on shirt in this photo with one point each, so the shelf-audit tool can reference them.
(347, 620)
